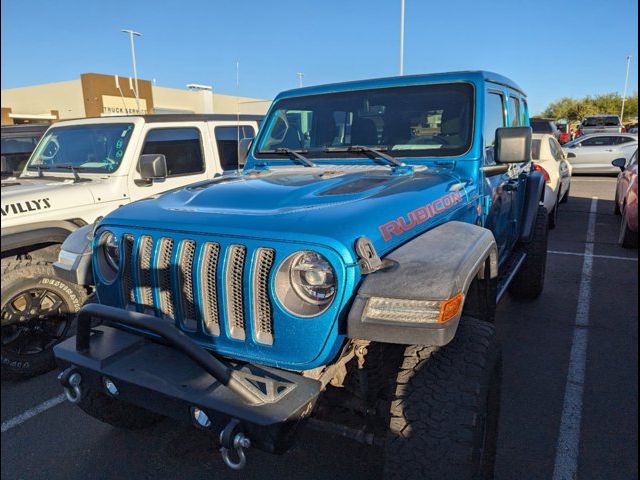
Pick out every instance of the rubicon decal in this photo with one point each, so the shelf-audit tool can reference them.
(25, 207)
(418, 216)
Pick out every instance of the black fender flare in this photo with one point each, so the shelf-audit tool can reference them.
(433, 267)
(534, 194)
(37, 233)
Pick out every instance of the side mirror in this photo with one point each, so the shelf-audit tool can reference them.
(571, 155)
(243, 150)
(153, 166)
(513, 145)
(620, 163)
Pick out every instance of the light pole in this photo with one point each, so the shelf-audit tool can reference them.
(300, 75)
(133, 33)
(401, 37)
(624, 93)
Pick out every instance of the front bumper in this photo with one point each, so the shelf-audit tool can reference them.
(169, 374)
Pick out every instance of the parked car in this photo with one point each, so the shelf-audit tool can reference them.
(594, 153)
(601, 124)
(18, 141)
(565, 133)
(549, 159)
(633, 129)
(545, 125)
(626, 200)
(374, 221)
(80, 171)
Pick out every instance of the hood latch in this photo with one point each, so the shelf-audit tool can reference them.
(368, 258)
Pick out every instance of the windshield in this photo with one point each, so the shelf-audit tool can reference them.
(90, 148)
(427, 120)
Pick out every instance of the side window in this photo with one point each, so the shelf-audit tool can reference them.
(555, 149)
(622, 140)
(598, 142)
(182, 147)
(493, 117)
(227, 142)
(524, 113)
(514, 112)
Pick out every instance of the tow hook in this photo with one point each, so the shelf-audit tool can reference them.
(233, 438)
(70, 380)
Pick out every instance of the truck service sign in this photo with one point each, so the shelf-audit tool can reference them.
(112, 105)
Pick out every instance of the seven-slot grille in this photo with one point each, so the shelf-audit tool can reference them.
(166, 276)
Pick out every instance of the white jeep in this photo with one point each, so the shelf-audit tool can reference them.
(81, 170)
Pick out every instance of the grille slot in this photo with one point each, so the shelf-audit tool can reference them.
(185, 283)
(127, 282)
(262, 315)
(163, 272)
(208, 273)
(234, 290)
(145, 284)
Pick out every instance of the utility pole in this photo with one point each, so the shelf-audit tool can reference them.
(133, 33)
(402, 37)
(624, 93)
(300, 75)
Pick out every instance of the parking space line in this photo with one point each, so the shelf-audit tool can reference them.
(566, 462)
(578, 254)
(32, 412)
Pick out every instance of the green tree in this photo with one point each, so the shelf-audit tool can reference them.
(608, 103)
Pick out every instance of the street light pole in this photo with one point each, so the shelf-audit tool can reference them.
(402, 37)
(300, 75)
(133, 33)
(624, 93)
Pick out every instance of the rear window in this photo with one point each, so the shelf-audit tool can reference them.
(609, 121)
(541, 126)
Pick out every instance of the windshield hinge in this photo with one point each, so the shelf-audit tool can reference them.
(368, 258)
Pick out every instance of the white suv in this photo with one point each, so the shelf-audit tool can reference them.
(80, 171)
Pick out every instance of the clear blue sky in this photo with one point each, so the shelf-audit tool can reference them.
(551, 48)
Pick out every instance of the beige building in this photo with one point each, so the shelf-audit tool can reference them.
(96, 95)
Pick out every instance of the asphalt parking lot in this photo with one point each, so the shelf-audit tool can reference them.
(569, 395)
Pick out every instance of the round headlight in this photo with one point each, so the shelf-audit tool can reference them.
(109, 255)
(305, 284)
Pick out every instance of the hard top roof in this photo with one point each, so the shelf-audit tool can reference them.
(176, 117)
(405, 80)
(23, 129)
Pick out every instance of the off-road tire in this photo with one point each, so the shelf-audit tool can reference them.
(24, 274)
(627, 238)
(529, 281)
(117, 413)
(444, 414)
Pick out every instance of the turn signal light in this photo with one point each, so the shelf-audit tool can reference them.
(450, 308)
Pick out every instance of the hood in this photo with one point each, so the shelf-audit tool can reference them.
(310, 205)
(25, 197)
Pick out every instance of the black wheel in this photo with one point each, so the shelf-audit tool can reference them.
(116, 412)
(444, 413)
(37, 312)
(553, 216)
(565, 197)
(627, 238)
(529, 281)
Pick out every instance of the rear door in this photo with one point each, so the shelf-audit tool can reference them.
(226, 138)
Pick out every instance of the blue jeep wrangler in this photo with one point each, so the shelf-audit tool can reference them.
(350, 273)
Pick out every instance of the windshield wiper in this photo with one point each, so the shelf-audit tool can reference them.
(40, 168)
(74, 169)
(378, 152)
(295, 154)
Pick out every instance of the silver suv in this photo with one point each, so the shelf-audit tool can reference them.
(601, 123)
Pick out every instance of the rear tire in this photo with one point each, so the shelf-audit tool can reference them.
(444, 412)
(565, 197)
(553, 216)
(116, 412)
(529, 281)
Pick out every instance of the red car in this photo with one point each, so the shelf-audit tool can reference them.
(627, 200)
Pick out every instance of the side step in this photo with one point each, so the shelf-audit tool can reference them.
(508, 273)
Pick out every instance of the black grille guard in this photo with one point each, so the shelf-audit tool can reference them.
(243, 385)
